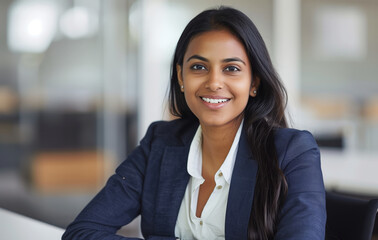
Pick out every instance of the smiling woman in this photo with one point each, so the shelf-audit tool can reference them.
(216, 79)
(228, 168)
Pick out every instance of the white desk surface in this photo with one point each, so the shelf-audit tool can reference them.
(353, 172)
(15, 227)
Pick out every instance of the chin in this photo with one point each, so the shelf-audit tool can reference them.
(217, 122)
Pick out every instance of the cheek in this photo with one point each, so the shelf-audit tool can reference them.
(189, 93)
(191, 101)
(244, 98)
(192, 85)
(243, 89)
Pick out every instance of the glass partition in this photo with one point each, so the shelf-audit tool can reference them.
(68, 111)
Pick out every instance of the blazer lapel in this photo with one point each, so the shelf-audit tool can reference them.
(241, 192)
(172, 184)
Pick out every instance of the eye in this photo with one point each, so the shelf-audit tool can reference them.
(231, 69)
(198, 67)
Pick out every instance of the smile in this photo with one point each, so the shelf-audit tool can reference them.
(212, 100)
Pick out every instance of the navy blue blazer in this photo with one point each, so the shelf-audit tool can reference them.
(151, 182)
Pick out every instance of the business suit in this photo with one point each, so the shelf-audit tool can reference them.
(153, 179)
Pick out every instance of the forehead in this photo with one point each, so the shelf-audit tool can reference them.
(217, 44)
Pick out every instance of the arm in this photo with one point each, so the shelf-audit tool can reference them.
(303, 215)
(104, 215)
(118, 203)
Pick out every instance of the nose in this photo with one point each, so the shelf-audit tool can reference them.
(214, 81)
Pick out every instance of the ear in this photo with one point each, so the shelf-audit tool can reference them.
(179, 77)
(254, 87)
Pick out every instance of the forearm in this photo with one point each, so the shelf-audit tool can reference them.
(91, 234)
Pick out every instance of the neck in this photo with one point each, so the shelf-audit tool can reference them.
(216, 143)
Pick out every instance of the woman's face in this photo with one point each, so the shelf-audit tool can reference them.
(216, 78)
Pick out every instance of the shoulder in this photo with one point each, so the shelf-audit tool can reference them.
(171, 131)
(159, 135)
(291, 143)
(285, 137)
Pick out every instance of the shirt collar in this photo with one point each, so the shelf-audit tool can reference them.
(228, 164)
(194, 165)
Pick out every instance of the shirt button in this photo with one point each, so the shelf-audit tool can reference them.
(219, 187)
(201, 223)
(220, 174)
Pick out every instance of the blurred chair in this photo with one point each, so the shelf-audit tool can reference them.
(350, 218)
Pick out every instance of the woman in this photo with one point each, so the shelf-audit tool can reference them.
(228, 167)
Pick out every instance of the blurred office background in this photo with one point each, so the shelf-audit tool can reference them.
(81, 80)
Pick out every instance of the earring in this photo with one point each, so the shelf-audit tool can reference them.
(182, 86)
(254, 91)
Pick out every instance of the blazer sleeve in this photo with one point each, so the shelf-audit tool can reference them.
(118, 203)
(303, 215)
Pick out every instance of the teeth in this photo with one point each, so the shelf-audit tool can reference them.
(211, 100)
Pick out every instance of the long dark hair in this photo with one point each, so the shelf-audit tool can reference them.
(262, 115)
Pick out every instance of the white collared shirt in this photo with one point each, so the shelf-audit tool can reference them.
(211, 224)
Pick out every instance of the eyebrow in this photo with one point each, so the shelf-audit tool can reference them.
(234, 59)
(197, 57)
